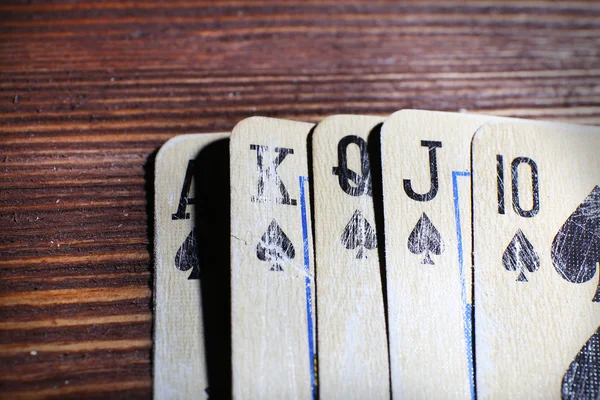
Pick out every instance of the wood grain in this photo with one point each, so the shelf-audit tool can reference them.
(89, 91)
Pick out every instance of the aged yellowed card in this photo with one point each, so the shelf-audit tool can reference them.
(425, 159)
(536, 229)
(272, 279)
(179, 347)
(353, 353)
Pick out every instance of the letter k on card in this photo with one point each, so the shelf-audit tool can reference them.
(272, 280)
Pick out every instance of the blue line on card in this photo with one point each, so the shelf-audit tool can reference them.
(468, 308)
(309, 313)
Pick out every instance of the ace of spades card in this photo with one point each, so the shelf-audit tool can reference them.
(536, 230)
(179, 352)
(353, 354)
(272, 278)
(425, 158)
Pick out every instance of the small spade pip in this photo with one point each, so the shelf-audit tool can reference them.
(274, 247)
(582, 379)
(576, 247)
(187, 256)
(520, 256)
(425, 238)
(359, 234)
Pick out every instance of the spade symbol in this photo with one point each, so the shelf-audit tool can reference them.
(274, 246)
(359, 233)
(582, 379)
(425, 238)
(187, 256)
(520, 256)
(576, 246)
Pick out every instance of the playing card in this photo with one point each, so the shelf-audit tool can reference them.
(179, 339)
(425, 158)
(536, 229)
(272, 280)
(353, 354)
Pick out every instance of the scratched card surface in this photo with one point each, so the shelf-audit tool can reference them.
(536, 228)
(272, 280)
(426, 188)
(353, 354)
(179, 348)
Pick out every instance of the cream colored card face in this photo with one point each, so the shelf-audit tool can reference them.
(272, 279)
(179, 346)
(426, 188)
(353, 354)
(536, 229)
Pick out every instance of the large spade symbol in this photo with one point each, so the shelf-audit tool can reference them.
(359, 233)
(187, 256)
(274, 246)
(582, 379)
(425, 238)
(520, 256)
(576, 246)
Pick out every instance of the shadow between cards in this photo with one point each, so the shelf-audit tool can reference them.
(211, 178)
(311, 195)
(374, 151)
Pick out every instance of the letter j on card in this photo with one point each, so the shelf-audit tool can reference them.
(425, 159)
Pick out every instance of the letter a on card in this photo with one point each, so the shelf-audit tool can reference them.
(536, 230)
(184, 194)
(353, 355)
(272, 280)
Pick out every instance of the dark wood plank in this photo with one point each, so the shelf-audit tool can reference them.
(89, 90)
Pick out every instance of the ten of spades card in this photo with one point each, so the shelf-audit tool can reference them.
(272, 279)
(425, 159)
(353, 354)
(179, 348)
(536, 230)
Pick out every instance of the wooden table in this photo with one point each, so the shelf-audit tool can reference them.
(90, 90)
